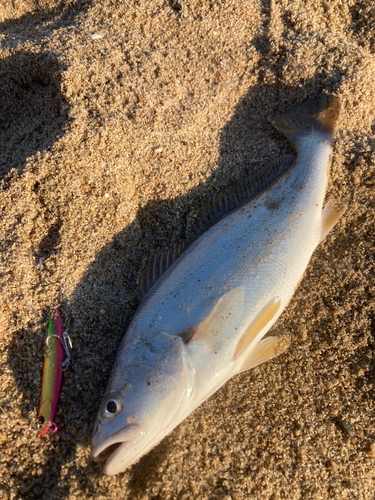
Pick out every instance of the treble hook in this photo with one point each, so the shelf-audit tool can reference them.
(65, 341)
(69, 360)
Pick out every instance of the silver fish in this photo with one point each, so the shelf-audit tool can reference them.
(205, 318)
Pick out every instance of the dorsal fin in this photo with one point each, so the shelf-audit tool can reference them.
(214, 209)
(157, 264)
(238, 193)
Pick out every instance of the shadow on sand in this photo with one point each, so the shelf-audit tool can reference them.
(33, 110)
(114, 274)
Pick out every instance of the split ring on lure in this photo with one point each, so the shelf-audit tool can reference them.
(57, 342)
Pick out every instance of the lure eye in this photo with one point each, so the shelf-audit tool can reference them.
(112, 404)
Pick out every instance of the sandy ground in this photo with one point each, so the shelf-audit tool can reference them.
(108, 147)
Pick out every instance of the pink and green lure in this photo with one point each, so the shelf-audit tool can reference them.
(54, 365)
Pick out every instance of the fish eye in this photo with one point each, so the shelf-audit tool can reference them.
(112, 404)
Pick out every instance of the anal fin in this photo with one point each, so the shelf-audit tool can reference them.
(266, 349)
(330, 216)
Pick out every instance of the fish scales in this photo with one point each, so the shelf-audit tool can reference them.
(203, 321)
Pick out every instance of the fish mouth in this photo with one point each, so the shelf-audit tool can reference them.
(107, 452)
(119, 450)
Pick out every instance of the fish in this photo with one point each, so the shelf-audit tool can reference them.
(208, 302)
(54, 365)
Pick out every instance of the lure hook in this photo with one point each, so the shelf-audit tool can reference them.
(69, 360)
(42, 429)
(65, 340)
(50, 429)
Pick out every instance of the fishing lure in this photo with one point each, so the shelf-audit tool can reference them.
(54, 365)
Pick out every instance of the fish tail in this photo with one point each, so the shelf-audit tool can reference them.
(315, 115)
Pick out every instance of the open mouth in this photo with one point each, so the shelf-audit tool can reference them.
(107, 452)
(118, 449)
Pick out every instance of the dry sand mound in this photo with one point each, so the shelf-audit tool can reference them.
(108, 146)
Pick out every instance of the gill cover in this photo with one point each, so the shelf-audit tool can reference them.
(147, 394)
(161, 373)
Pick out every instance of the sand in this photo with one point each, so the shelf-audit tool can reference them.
(108, 147)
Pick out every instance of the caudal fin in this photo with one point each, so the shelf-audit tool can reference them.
(318, 114)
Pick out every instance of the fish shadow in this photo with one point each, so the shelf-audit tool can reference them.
(159, 223)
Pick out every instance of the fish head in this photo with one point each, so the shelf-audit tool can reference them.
(148, 395)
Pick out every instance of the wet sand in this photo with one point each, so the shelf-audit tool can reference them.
(108, 147)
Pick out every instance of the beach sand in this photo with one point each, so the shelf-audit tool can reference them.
(108, 147)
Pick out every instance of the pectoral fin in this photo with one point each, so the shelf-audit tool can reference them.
(266, 349)
(330, 216)
(256, 326)
(226, 312)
